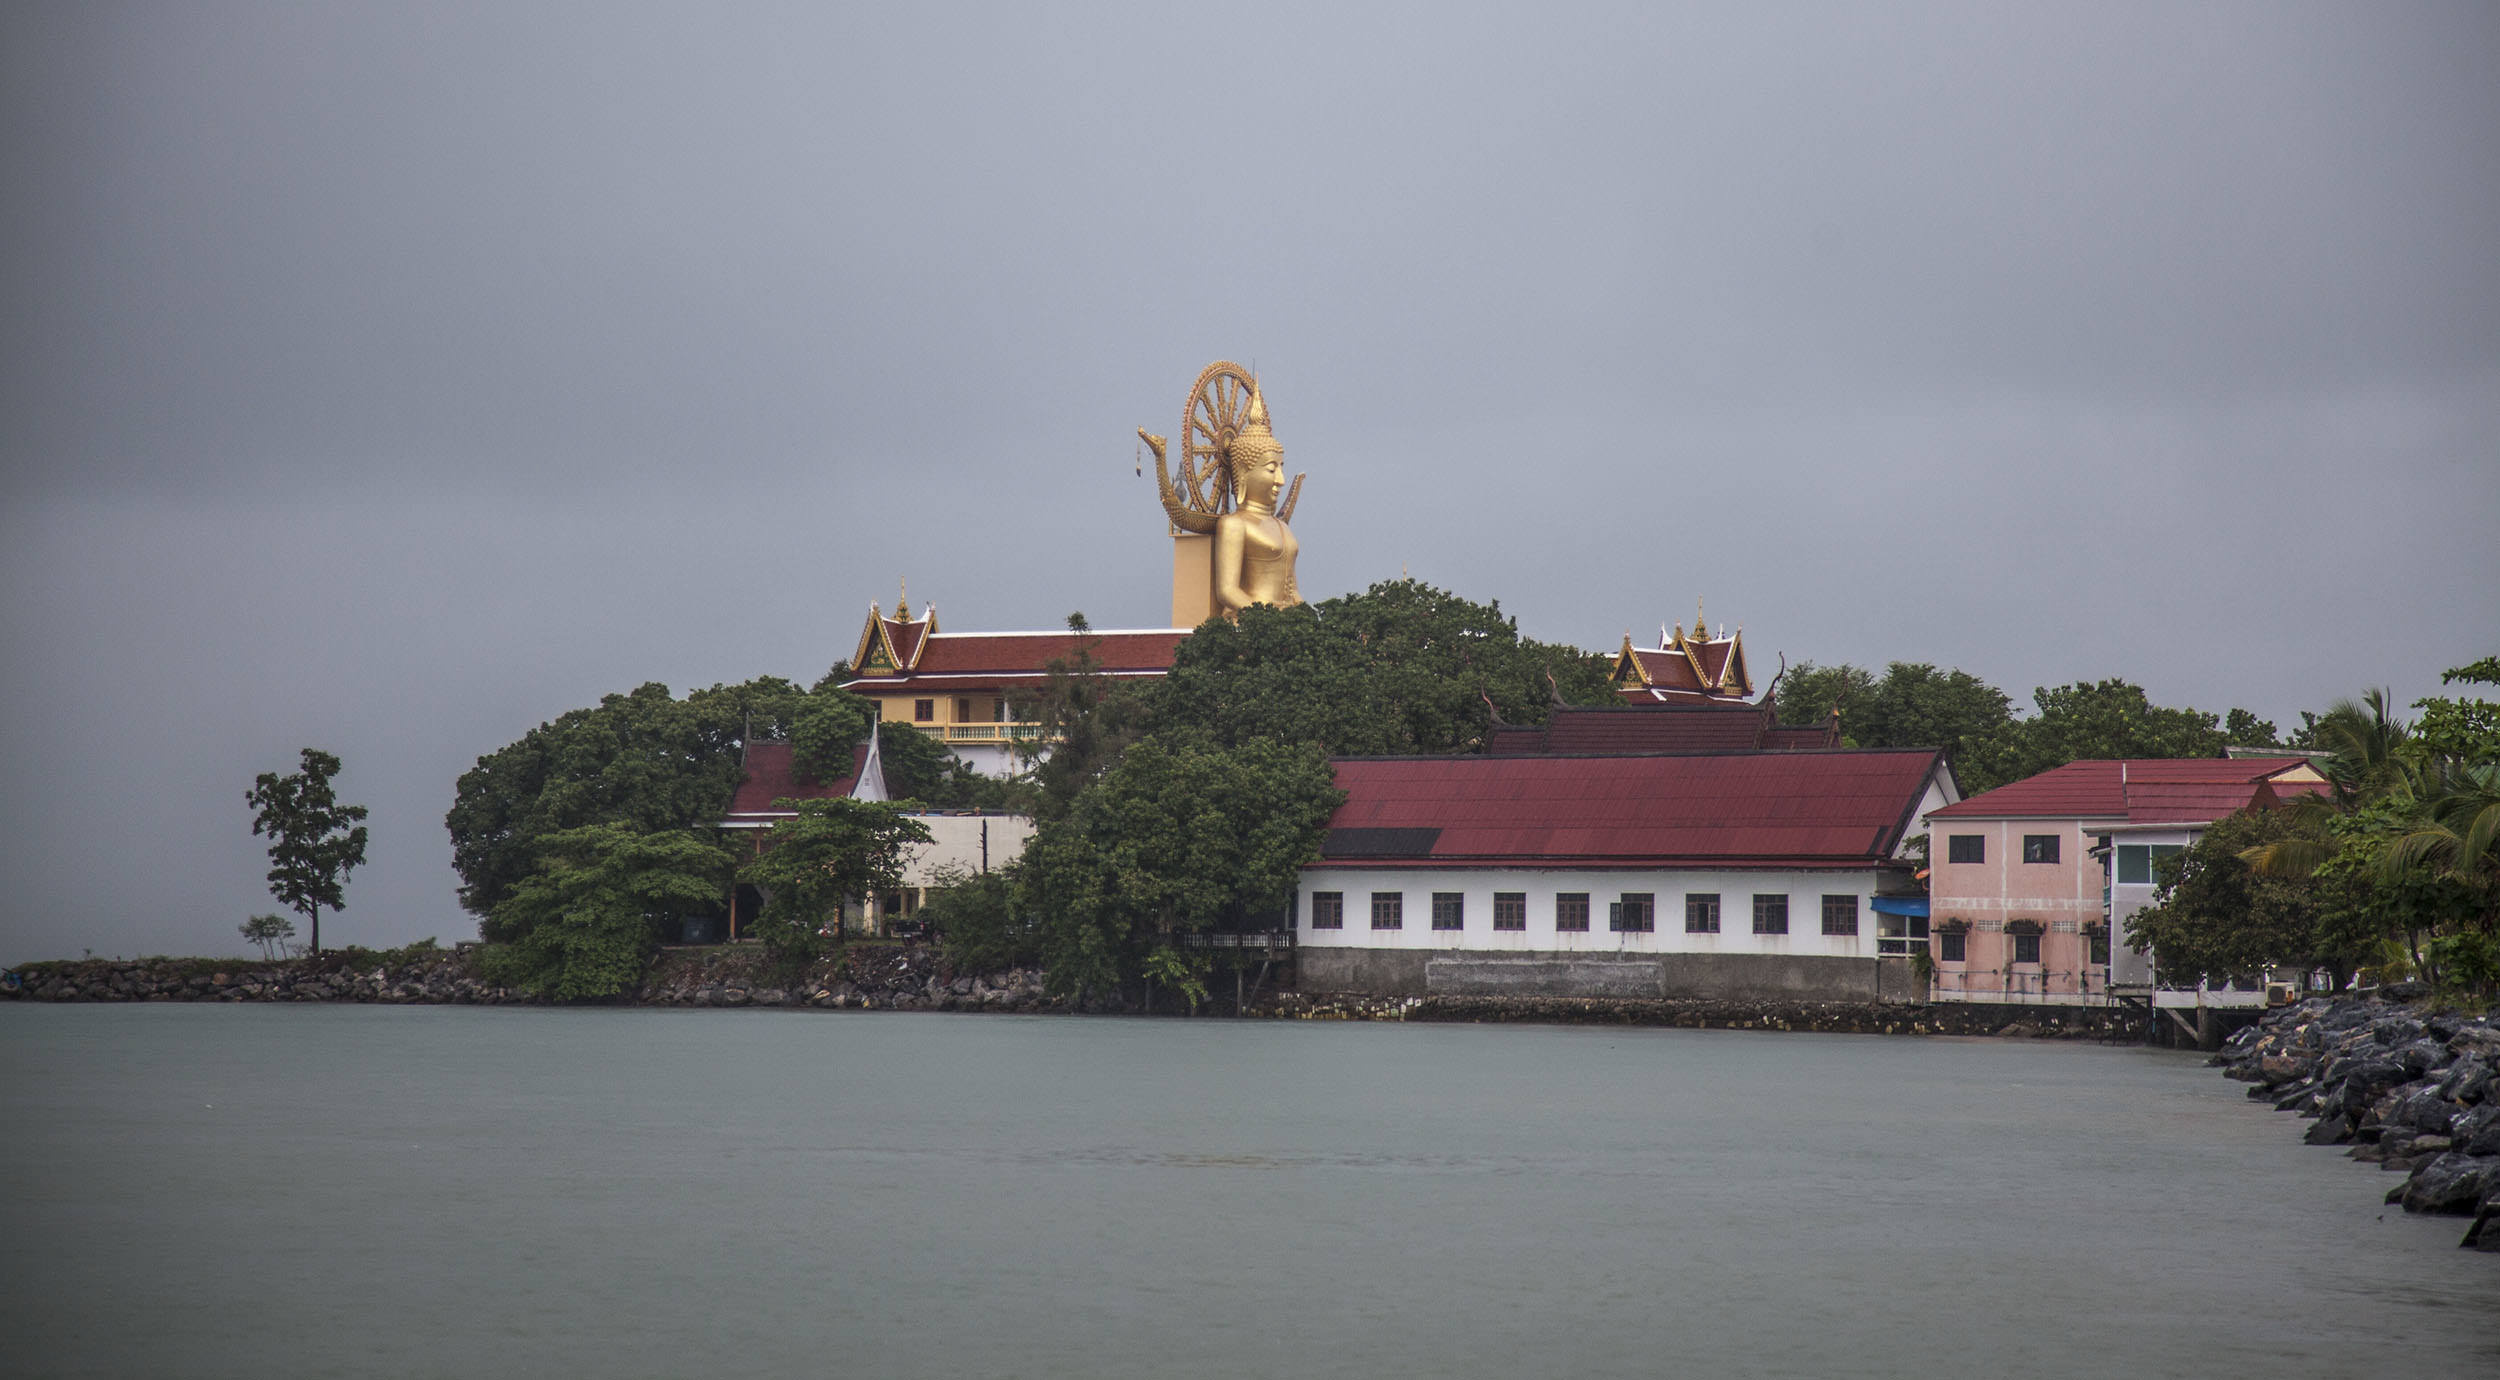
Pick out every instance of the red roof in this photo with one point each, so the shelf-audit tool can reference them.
(1785, 809)
(999, 658)
(771, 776)
(905, 637)
(2139, 790)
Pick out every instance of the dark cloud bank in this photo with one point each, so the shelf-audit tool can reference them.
(390, 380)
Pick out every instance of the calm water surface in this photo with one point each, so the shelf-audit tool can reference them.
(222, 1190)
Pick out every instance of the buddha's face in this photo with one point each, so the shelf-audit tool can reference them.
(1261, 475)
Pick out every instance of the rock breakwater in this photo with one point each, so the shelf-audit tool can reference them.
(1833, 1018)
(2411, 1091)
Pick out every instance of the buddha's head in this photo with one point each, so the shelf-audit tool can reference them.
(1256, 459)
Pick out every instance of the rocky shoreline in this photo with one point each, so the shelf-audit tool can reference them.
(918, 978)
(2409, 1090)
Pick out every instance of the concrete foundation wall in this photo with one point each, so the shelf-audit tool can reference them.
(1478, 973)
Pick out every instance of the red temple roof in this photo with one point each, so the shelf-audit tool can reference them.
(1830, 809)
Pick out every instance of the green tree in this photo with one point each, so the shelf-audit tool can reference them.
(2243, 728)
(270, 932)
(978, 922)
(2215, 917)
(1082, 721)
(1914, 705)
(831, 852)
(2466, 729)
(1180, 834)
(2106, 719)
(1400, 668)
(824, 728)
(645, 760)
(585, 922)
(1807, 695)
(314, 841)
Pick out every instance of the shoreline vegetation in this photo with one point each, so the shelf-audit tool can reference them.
(2409, 1089)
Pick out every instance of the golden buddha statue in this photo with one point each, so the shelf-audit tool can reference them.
(1231, 545)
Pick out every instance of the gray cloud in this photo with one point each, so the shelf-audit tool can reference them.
(392, 380)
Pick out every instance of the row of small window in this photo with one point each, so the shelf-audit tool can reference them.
(1950, 947)
(1973, 848)
(1635, 913)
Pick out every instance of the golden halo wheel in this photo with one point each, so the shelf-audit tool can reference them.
(1218, 406)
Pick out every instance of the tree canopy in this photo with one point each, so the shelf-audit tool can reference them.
(644, 760)
(1402, 668)
(314, 841)
(596, 904)
(830, 852)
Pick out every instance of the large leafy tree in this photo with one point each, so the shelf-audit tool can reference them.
(2106, 719)
(1180, 834)
(314, 841)
(1914, 704)
(1400, 668)
(596, 904)
(1082, 721)
(2215, 917)
(831, 852)
(644, 760)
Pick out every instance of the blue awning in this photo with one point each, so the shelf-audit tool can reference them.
(1901, 905)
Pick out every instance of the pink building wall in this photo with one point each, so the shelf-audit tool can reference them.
(2062, 897)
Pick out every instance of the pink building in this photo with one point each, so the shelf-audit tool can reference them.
(2028, 882)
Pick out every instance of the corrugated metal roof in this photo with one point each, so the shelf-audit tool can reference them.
(771, 776)
(2140, 790)
(1808, 809)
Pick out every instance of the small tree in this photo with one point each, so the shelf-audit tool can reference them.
(584, 925)
(269, 932)
(833, 851)
(314, 841)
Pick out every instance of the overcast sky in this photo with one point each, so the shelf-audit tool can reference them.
(391, 379)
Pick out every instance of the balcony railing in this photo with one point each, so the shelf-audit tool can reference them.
(983, 733)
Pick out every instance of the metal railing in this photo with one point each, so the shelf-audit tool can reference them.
(983, 733)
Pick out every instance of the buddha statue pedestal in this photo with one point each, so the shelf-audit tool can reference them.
(1193, 579)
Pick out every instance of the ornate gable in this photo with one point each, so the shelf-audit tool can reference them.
(892, 646)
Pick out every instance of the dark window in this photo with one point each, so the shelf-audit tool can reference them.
(1701, 913)
(1949, 947)
(963, 709)
(1327, 910)
(1571, 911)
(1840, 915)
(1636, 913)
(2026, 948)
(998, 711)
(1770, 915)
(1966, 848)
(1900, 935)
(2039, 848)
(2100, 946)
(1510, 910)
(922, 711)
(1449, 910)
(1388, 910)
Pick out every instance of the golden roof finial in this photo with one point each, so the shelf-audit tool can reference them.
(1701, 625)
(902, 601)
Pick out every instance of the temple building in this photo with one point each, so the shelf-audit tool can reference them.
(1683, 668)
(962, 688)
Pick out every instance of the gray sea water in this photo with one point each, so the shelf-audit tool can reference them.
(314, 1190)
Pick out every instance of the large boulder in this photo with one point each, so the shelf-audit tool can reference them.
(2452, 1183)
(2331, 1129)
(2424, 1111)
